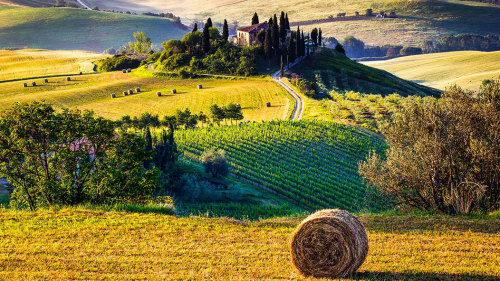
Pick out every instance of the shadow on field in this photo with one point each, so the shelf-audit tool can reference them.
(419, 276)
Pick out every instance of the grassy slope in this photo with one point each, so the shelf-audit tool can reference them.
(333, 71)
(68, 29)
(418, 20)
(467, 69)
(22, 64)
(78, 244)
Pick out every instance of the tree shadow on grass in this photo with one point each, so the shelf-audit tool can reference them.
(373, 275)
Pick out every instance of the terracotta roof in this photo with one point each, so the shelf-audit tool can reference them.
(254, 28)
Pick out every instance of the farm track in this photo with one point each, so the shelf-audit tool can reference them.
(299, 101)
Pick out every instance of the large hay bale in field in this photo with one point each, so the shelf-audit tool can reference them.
(25, 85)
(174, 91)
(68, 78)
(46, 80)
(129, 70)
(138, 90)
(124, 71)
(200, 86)
(158, 94)
(113, 96)
(80, 73)
(329, 244)
(268, 104)
(130, 92)
(33, 84)
(125, 93)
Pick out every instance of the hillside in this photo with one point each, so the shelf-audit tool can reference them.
(418, 20)
(334, 71)
(78, 29)
(467, 69)
(94, 245)
(312, 163)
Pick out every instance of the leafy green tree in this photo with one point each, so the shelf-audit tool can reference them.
(217, 113)
(142, 44)
(233, 112)
(354, 47)
(255, 18)
(215, 162)
(225, 31)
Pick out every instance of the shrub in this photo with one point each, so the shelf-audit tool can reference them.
(117, 62)
(215, 163)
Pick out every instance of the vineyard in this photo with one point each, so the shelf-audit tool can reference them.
(313, 163)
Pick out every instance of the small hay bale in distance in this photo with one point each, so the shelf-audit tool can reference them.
(268, 104)
(238, 105)
(200, 86)
(329, 244)
(68, 78)
(129, 70)
(158, 94)
(125, 93)
(25, 85)
(80, 73)
(113, 96)
(46, 80)
(130, 92)
(124, 71)
(138, 90)
(174, 91)
(33, 84)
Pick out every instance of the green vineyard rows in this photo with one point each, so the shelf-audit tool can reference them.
(314, 163)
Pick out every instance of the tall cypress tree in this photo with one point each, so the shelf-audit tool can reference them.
(297, 43)
(282, 27)
(291, 49)
(209, 22)
(195, 28)
(270, 22)
(314, 36)
(255, 19)
(320, 37)
(287, 22)
(268, 45)
(205, 40)
(307, 44)
(303, 45)
(225, 31)
(275, 35)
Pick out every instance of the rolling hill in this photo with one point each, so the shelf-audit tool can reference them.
(466, 69)
(418, 19)
(334, 71)
(78, 29)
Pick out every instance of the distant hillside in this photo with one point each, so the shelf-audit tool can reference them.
(78, 29)
(467, 68)
(334, 71)
(418, 19)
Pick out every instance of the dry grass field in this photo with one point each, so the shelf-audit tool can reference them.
(466, 69)
(80, 244)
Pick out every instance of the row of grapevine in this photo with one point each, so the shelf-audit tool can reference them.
(312, 162)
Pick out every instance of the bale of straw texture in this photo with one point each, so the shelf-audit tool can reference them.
(80, 73)
(25, 85)
(129, 70)
(329, 244)
(158, 94)
(174, 91)
(130, 92)
(268, 104)
(124, 71)
(125, 93)
(68, 78)
(138, 90)
(46, 80)
(113, 96)
(200, 86)
(33, 84)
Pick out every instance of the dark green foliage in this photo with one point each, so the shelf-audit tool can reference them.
(215, 162)
(354, 47)
(255, 19)
(314, 36)
(225, 31)
(209, 23)
(369, 12)
(298, 43)
(462, 42)
(409, 51)
(117, 62)
(291, 50)
(287, 22)
(268, 45)
(306, 87)
(217, 114)
(70, 157)
(320, 37)
(282, 27)
(165, 151)
(195, 28)
(275, 34)
(205, 41)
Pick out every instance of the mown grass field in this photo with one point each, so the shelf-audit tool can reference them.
(78, 29)
(80, 244)
(28, 63)
(466, 68)
(419, 19)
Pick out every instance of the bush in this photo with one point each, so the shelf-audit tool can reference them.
(117, 62)
(215, 162)
(410, 51)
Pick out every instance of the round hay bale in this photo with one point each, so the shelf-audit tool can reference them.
(268, 104)
(33, 84)
(124, 71)
(158, 94)
(129, 70)
(329, 244)
(113, 96)
(174, 91)
(68, 78)
(125, 93)
(80, 73)
(46, 80)
(130, 92)
(200, 86)
(25, 85)
(138, 90)
(238, 105)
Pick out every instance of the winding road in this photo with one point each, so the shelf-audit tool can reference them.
(299, 101)
(83, 4)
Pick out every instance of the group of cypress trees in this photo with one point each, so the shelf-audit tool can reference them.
(205, 43)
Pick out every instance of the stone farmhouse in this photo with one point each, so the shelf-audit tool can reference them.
(247, 36)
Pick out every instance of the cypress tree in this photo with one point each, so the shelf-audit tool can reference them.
(314, 36)
(255, 19)
(270, 22)
(148, 148)
(287, 22)
(275, 35)
(205, 40)
(307, 44)
(268, 46)
(303, 45)
(225, 31)
(297, 43)
(195, 28)
(291, 50)
(282, 27)
(209, 22)
(320, 37)
(282, 69)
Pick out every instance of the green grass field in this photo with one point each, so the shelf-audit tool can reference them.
(78, 29)
(419, 19)
(466, 69)
(97, 245)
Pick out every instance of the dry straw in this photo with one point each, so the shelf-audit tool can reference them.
(329, 244)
